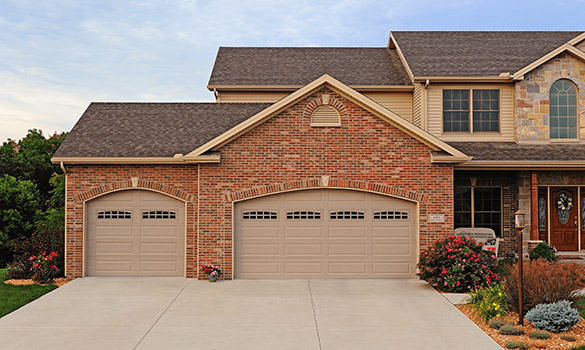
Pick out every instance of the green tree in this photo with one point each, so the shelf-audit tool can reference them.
(19, 203)
(30, 159)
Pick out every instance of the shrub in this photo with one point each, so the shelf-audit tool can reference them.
(457, 264)
(545, 282)
(44, 269)
(556, 317)
(516, 345)
(43, 239)
(567, 337)
(490, 301)
(543, 251)
(510, 329)
(497, 323)
(539, 335)
(505, 265)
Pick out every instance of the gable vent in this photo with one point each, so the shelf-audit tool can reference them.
(325, 115)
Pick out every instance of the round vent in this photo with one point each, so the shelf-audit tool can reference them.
(325, 115)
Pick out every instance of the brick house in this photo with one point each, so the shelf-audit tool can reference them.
(334, 162)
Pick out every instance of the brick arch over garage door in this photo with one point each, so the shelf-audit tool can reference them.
(135, 232)
(325, 233)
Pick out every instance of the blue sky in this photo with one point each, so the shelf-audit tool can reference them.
(58, 56)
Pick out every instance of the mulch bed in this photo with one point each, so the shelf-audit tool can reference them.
(555, 341)
(58, 282)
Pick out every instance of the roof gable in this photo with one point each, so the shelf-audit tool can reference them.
(449, 154)
(533, 65)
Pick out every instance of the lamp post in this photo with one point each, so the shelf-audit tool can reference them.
(519, 224)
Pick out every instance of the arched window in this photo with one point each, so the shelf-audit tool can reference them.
(563, 110)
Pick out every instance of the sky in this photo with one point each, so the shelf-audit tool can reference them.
(57, 56)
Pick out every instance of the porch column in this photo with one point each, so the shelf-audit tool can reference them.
(534, 206)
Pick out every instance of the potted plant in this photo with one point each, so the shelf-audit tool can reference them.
(212, 271)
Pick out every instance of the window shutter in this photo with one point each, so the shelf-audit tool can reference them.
(325, 115)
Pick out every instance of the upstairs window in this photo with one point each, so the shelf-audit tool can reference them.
(476, 110)
(563, 110)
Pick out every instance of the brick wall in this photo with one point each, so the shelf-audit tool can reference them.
(283, 153)
(286, 152)
(532, 97)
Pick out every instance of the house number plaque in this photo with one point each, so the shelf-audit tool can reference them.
(436, 218)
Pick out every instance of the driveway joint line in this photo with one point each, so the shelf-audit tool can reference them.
(314, 314)
(161, 315)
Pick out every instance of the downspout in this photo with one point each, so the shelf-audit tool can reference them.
(65, 225)
(216, 95)
(424, 105)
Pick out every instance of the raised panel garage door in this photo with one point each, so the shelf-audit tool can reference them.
(135, 233)
(325, 233)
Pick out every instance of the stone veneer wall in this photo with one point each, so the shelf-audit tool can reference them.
(532, 97)
(546, 178)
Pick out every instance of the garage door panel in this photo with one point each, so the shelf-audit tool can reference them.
(304, 268)
(404, 268)
(158, 267)
(260, 249)
(303, 232)
(356, 235)
(304, 249)
(393, 232)
(113, 231)
(113, 266)
(341, 268)
(113, 248)
(159, 248)
(260, 268)
(149, 243)
(391, 249)
(347, 249)
(259, 232)
(159, 231)
(347, 232)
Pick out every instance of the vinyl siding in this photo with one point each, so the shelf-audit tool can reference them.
(398, 102)
(250, 96)
(435, 113)
(581, 45)
(417, 105)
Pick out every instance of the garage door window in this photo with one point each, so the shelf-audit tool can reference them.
(114, 214)
(390, 215)
(347, 215)
(303, 215)
(159, 214)
(259, 215)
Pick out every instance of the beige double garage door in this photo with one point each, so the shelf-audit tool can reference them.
(325, 234)
(321, 233)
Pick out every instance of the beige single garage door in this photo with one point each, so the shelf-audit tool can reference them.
(135, 233)
(325, 234)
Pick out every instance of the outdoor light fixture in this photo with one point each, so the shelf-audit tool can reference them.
(519, 223)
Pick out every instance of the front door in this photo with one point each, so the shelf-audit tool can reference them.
(564, 222)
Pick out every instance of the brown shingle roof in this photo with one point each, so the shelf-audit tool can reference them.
(511, 151)
(151, 129)
(475, 53)
(301, 65)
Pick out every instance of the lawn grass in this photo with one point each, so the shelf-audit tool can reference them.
(13, 297)
(580, 305)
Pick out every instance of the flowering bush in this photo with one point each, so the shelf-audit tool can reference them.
(458, 264)
(211, 270)
(44, 269)
(490, 301)
(543, 251)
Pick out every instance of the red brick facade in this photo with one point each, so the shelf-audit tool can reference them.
(284, 153)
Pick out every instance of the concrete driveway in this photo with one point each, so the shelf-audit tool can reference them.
(178, 313)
